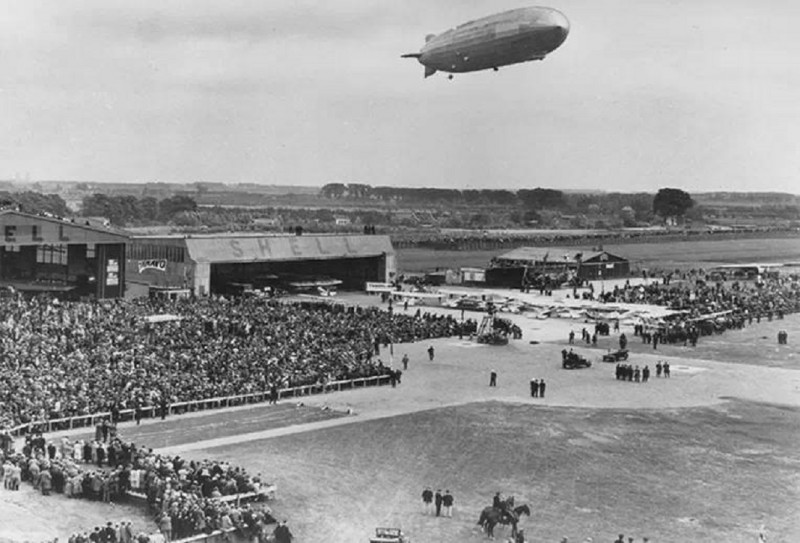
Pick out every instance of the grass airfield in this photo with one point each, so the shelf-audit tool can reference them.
(695, 474)
(661, 255)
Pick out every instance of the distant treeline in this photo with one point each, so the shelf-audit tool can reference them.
(124, 210)
(34, 202)
(534, 199)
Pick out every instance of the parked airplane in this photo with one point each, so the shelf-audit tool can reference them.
(511, 37)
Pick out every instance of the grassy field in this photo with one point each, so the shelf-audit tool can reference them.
(703, 474)
(179, 429)
(666, 256)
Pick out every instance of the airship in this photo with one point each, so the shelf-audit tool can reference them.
(510, 37)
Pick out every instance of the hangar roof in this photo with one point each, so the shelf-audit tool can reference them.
(273, 248)
(535, 254)
(602, 256)
(21, 228)
(539, 254)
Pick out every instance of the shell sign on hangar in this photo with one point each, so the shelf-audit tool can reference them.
(205, 264)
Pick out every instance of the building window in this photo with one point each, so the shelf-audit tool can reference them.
(149, 251)
(52, 254)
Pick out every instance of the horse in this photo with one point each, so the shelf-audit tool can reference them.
(492, 516)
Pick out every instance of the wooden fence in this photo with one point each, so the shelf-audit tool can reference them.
(89, 421)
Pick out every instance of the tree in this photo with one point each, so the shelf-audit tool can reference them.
(169, 207)
(628, 216)
(102, 205)
(34, 202)
(672, 203)
(334, 191)
(358, 191)
(540, 198)
(148, 208)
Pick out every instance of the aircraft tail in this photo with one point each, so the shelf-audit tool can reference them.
(428, 70)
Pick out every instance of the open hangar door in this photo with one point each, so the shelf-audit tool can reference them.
(353, 272)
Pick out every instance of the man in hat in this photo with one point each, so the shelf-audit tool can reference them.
(282, 533)
(165, 525)
(427, 500)
(534, 388)
(447, 502)
(108, 534)
(126, 532)
(493, 379)
(437, 498)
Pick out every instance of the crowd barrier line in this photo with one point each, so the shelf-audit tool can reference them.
(268, 493)
(152, 411)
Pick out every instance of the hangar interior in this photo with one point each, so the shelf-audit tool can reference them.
(353, 272)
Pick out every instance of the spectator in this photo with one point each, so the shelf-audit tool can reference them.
(218, 348)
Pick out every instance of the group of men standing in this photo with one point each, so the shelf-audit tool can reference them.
(441, 504)
(627, 372)
(538, 387)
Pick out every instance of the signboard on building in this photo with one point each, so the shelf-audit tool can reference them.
(112, 272)
(159, 264)
(379, 287)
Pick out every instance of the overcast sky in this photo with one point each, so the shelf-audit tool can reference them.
(644, 94)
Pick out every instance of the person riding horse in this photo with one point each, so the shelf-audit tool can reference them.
(502, 512)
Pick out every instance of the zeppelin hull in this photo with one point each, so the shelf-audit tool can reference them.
(507, 38)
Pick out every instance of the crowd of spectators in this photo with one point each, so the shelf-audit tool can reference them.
(703, 306)
(77, 358)
(186, 497)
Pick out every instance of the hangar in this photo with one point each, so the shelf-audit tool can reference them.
(509, 269)
(602, 265)
(70, 258)
(210, 263)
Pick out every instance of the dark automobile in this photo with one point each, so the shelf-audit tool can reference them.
(616, 356)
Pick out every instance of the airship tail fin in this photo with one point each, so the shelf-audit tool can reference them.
(429, 71)
(411, 55)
